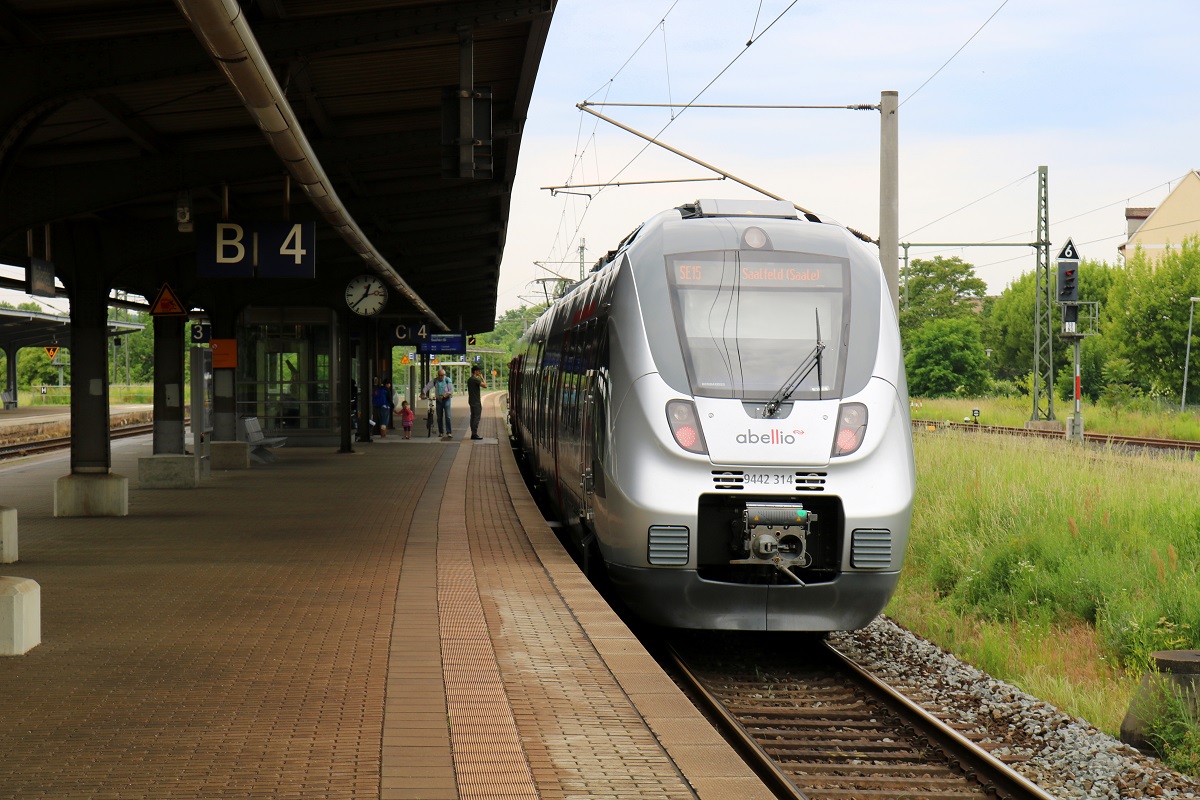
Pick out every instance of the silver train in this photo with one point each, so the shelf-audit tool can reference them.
(719, 414)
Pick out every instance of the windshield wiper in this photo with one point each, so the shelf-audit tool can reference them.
(811, 361)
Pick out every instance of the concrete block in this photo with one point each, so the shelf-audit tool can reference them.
(229, 455)
(1176, 674)
(20, 616)
(168, 471)
(88, 494)
(8, 535)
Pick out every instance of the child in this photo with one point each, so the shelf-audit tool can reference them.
(406, 419)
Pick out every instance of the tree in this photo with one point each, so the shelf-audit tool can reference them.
(1009, 325)
(946, 357)
(1009, 333)
(1119, 391)
(1148, 317)
(140, 346)
(34, 368)
(509, 327)
(944, 288)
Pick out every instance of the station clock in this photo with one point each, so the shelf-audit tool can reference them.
(366, 295)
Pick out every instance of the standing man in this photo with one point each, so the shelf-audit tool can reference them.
(381, 401)
(473, 385)
(442, 390)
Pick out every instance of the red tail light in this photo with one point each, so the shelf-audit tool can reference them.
(851, 428)
(681, 416)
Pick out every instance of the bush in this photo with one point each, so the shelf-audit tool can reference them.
(1007, 390)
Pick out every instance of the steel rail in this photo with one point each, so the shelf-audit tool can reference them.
(22, 449)
(827, 720)
(995, 776)
(763, 765)
(1093, 438)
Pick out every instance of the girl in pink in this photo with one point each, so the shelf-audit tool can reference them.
(406, 419)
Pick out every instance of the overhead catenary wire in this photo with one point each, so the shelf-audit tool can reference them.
(577, 160)
(951, 58)
(718, 170)
(683, 108)
(850, 107)
(561, 189)
(998, 241)
(968, 205)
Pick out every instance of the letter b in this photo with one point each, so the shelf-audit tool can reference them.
(225, 242)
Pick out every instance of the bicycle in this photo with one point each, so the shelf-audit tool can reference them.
(429, 418)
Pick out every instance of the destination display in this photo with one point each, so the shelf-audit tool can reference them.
(713, 272)
(438, 343)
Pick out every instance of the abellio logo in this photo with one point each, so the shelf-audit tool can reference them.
(773, 436)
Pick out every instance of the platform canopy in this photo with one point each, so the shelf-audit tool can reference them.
(36, 329)
(122, 119)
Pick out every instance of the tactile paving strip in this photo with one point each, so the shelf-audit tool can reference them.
(488, 757)
(416, 760)
(583, 736)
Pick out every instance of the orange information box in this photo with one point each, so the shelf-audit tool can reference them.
(224, 353)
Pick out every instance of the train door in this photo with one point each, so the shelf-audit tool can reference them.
(594, 425)
(587, 390)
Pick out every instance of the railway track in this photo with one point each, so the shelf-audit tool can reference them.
(1104, 439)
(817, 726)
(22, 449)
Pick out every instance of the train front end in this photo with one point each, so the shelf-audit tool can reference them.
(761, 469)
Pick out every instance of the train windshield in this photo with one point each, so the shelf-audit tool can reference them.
(746, 320)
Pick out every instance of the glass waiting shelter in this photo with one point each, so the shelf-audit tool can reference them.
(286, 368)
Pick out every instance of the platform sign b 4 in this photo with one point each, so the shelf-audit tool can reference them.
(262, 250)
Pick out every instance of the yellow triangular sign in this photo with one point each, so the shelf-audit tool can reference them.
(404, 360)
(167, 304)
(52, 352)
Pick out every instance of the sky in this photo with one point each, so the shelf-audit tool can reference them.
(1102, 93)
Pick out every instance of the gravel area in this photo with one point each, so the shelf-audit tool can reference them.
(1065, 756)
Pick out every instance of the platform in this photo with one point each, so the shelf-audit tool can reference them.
(395, 623)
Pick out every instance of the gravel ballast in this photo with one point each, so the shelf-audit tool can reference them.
(1065, 756)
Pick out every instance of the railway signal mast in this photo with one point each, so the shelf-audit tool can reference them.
(1072, 330)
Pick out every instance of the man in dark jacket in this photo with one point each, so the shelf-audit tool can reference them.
(473, 385)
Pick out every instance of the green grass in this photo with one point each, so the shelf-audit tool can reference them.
(1014, 412)
(1056, 567)
(133, 394)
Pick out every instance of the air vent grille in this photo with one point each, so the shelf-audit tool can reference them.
(729, 480)
(871, 548)
(668, 546)
(810, 481)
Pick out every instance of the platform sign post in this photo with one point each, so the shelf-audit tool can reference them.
(202, 408)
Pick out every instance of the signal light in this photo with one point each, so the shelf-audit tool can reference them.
(851, 429)
(681, 416)
(1068, 281)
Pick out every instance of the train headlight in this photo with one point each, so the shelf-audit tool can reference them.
(851, 428)
(685, 426)
(755, 238)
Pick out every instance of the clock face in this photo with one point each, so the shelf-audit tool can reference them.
(366, 294)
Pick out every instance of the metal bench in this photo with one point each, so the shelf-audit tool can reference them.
(260, 445)
(9, 396)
